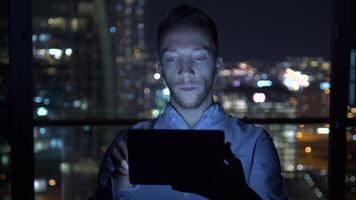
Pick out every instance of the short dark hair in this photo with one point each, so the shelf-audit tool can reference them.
(185, 15)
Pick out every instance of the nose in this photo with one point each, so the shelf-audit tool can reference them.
(186, 67)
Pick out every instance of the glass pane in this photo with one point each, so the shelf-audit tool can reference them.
(96, 58)
(303, 151)
(67, 160)
(351, 163)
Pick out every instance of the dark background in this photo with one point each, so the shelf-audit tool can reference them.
(263, 30)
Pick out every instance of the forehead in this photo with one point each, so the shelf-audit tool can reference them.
(186, 37)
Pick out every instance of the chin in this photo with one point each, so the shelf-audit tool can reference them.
(189, 104)
(186, 101)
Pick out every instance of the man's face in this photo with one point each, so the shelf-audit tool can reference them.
(188, 64)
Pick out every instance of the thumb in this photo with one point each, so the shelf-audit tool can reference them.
(230, 157)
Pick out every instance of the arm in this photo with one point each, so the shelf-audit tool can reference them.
(265, 178)
(113, 177)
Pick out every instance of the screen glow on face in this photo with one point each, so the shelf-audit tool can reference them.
(188, 64)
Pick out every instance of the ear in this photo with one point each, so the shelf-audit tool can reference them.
(219, 64)
(158, 67)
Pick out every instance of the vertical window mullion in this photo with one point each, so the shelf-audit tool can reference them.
(20, 99)
(338, 98)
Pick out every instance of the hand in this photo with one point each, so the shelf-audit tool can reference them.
(226, 182)
(119, 157)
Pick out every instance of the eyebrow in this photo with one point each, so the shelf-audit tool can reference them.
(170, 49)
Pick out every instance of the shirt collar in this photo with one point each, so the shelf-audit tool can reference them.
(171, 119)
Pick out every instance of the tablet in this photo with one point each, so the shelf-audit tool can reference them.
(161, 157)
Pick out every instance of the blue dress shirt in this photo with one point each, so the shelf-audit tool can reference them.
(252, 145)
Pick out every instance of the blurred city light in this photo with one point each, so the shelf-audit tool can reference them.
(264, 83)
(236, 83)
(56, 143)
(308, 149)
(42, 130)
(40, 146)
(323, 130)
(225, 72)
(34, 38)
(46, 101)
(259, 97)
(42, 111)
(40, 185)
(44, 37)
(5, 160)
(295, 80)
(112, 29)
(68, 52)
(38, 99)
(147, 91)
(64, 167)
(157, 76)
(56, 53)
(155, 112)
(166, 91)
(52, 182)
(324, 85)
(299, 134)
(2, 177)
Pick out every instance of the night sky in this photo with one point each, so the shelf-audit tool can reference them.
(258, 30)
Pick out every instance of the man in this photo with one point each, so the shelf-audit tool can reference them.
(188, 60)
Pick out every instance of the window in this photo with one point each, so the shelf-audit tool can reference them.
(94, 65)
(96, 59)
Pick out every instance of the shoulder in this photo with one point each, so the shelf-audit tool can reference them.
(244, 131)
(246, 137)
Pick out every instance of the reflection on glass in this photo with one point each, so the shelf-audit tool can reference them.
(91, 59)
(303, 151)
(67, 159)
(287, 89)
(350, 178)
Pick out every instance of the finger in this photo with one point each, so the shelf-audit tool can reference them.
(116, 155)
(123, 149)
(120, 163)
(230, 157)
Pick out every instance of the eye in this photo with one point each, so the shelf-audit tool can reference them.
(200, 57)
(171, 59)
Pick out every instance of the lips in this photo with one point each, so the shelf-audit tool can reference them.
(187, 88)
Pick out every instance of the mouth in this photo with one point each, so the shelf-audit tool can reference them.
(187, 88)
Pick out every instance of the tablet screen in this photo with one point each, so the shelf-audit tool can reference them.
(160, 157)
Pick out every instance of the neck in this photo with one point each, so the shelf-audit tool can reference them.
(193, 114)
